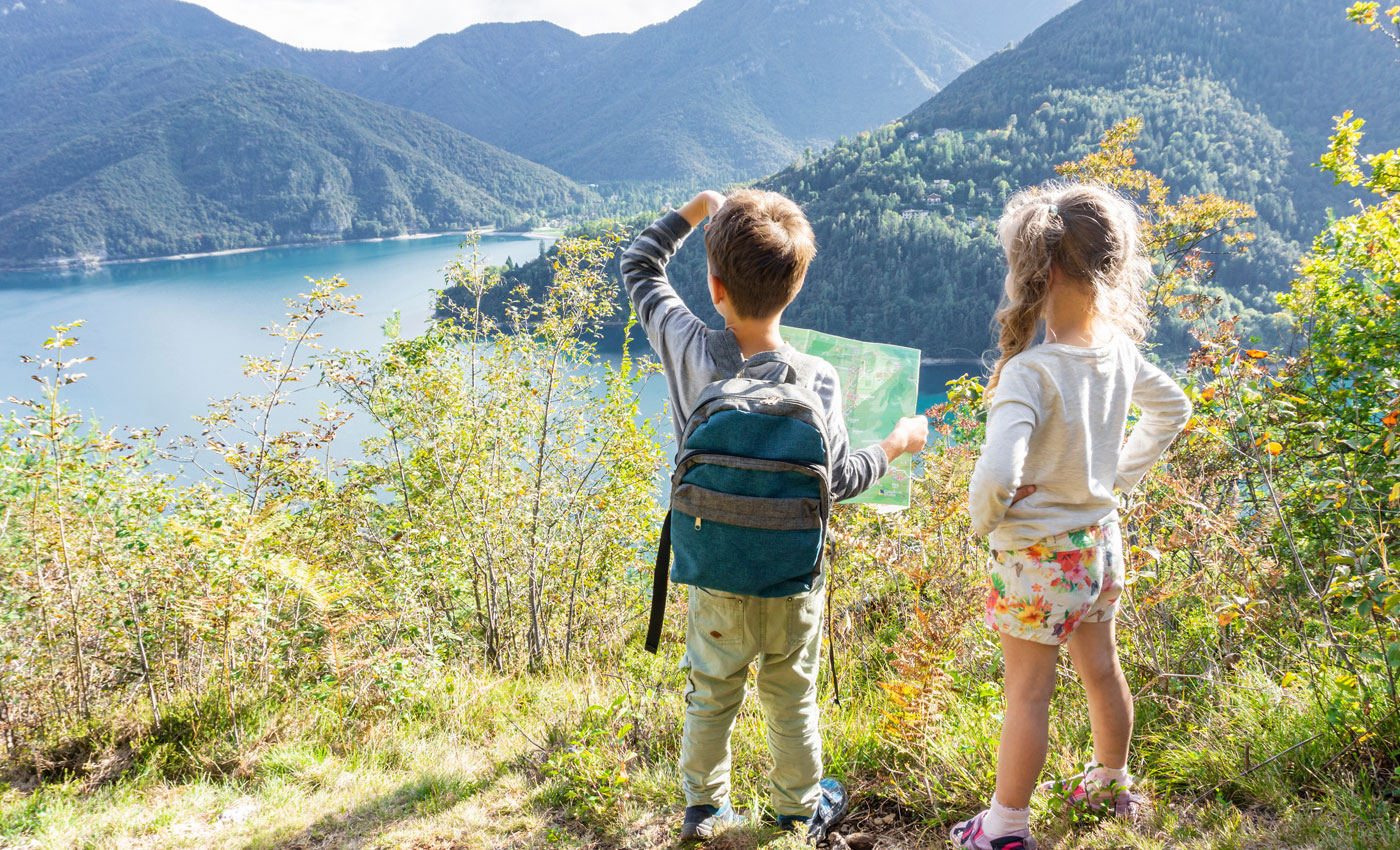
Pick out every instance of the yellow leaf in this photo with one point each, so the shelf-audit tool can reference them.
(1275, 449)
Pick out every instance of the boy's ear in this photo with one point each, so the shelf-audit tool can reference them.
(718, 294)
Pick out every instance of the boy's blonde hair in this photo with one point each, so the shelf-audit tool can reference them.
(759, 245)
(1089, 232)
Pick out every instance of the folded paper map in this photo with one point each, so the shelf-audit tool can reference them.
(879, 385)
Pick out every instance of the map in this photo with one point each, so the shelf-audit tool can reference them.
(879, 386)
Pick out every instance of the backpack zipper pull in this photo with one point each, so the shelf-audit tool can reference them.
(697, 523)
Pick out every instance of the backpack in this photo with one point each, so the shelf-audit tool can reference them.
(751, 493)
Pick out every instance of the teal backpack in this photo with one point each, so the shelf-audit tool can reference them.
(751, 493)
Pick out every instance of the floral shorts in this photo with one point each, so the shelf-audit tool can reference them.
(1041, 593)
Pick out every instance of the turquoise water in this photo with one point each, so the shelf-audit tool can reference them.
(168, 335)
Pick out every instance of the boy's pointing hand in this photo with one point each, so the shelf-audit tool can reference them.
(701, 207)
(909, 436)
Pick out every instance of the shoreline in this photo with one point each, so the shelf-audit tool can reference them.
(81, 265)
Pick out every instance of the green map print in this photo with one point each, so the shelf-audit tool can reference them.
(879, 386)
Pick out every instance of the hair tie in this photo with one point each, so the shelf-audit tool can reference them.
(1054, 209)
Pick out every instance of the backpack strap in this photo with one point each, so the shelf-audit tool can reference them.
(659, 581)
(729, 360)
(799, 369)
(724, 348)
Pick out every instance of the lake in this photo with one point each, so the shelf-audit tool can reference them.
(168, 335)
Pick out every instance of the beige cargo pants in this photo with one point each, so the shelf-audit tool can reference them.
(724, 634)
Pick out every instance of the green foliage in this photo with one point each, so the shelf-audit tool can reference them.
(1369, 14)
(590, 768)
(494, 520)
(1335, 409)
(377, 612)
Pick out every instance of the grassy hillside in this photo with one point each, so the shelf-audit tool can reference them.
(433, 639)
(265, 158)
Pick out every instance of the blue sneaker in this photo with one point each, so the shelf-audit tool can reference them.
(831, 809)
(707, 821)
(793, 823)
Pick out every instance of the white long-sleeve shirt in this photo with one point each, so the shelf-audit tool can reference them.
(1056, 421)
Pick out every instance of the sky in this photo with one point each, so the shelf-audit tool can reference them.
(375, 24)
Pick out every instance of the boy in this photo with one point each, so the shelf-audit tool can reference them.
(758, 246)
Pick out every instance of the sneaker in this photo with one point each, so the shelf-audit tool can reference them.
(793, 823)
(831, 809)
(969, 833)
(707, 821)
(1123, 802)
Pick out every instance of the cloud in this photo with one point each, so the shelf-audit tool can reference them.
(375, 24)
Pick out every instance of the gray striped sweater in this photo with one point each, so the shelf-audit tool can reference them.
(684, 344)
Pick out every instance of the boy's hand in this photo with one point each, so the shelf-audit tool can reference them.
(908, 437)
(1022, 492)
(701, 207)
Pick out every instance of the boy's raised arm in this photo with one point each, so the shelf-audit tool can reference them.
(668, 323)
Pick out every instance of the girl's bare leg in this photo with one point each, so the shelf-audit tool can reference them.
(1094, 651)
(1025, 733)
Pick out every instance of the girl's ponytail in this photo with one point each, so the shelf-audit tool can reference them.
(1090, 233)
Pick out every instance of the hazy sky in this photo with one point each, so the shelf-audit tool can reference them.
(372, 24)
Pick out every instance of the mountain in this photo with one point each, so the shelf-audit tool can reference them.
(1298, 62)
(485, 80)
(1233, 101)
(905, 214)
(265, 158)
(729, 89)
(74, 67)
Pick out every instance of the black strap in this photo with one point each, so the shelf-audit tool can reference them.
(831, 655)
(659, 582)
(830, 632)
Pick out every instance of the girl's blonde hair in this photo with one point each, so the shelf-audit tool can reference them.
(1090, 233)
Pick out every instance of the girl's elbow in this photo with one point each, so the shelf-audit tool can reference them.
(1183, 414)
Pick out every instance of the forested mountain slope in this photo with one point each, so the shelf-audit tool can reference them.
(1298, 62)
(1236, 98)
(730, 88)
(265, 158)
(69, 68)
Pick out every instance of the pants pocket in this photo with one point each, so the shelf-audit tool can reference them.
(716, 619)
(804, 618)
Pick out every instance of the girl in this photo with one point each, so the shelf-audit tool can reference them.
(1043, 486)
